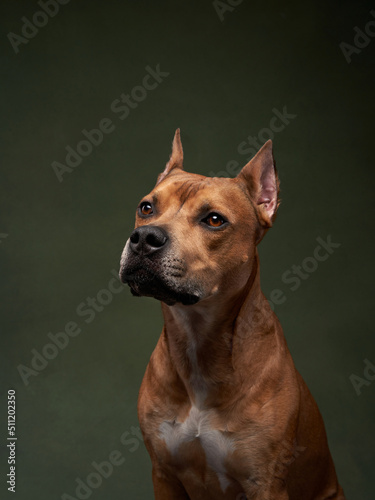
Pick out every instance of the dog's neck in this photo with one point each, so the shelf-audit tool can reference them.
(204, 338)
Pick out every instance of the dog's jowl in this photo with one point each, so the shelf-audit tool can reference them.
(223, 411)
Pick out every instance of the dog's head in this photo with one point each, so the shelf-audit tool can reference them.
(195, 236)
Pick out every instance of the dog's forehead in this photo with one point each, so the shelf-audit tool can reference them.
(194, 188)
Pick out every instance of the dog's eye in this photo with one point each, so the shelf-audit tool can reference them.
(214, 220)
(145, 208)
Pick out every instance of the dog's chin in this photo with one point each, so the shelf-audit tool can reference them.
(145, 284)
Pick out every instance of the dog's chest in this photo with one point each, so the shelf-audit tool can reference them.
(196, 435)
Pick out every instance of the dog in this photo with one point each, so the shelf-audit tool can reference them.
(223, 411)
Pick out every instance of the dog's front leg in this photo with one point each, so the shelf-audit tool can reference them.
(272, 492)
(167, 489)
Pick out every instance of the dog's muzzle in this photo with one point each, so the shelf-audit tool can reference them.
(150, 269)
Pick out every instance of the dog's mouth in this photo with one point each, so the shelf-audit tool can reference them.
(144, 280)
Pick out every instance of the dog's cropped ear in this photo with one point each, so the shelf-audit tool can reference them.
(176, 159)
(262, 182)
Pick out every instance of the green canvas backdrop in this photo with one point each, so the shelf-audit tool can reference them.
(225, 74)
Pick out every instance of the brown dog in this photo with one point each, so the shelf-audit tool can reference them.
(223, 410)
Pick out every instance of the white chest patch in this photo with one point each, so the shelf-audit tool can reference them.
(197, 425)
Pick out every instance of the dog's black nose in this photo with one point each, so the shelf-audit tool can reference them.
(146, 240)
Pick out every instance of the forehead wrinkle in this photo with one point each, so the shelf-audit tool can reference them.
(181, 187)
(208, 199)
(191, 189)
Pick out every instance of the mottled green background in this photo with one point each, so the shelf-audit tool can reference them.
(64, 239)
